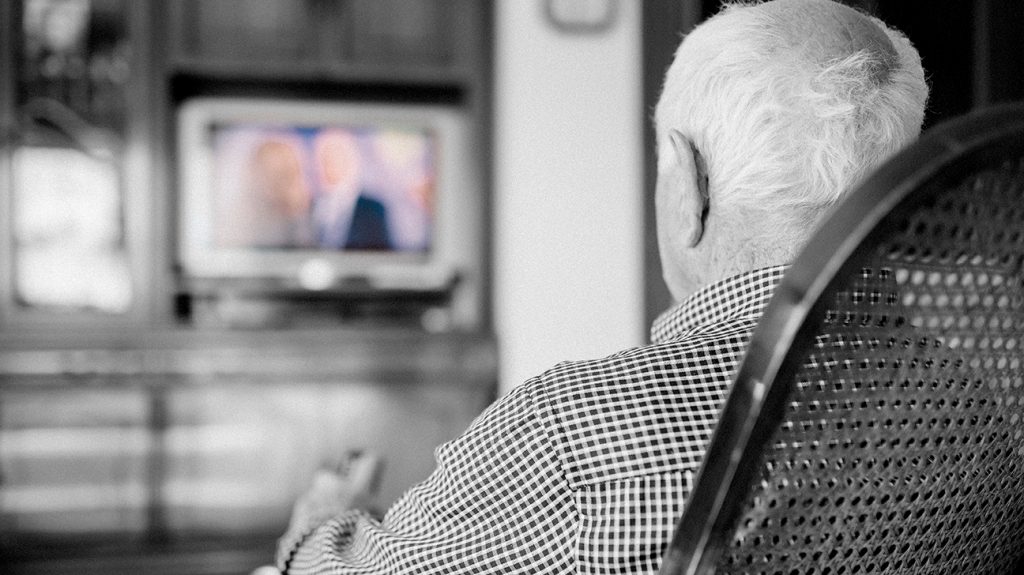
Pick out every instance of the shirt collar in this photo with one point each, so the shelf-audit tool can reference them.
(743, 295)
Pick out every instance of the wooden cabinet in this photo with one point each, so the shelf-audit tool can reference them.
(133, 439)
(146, 451)
(89, 92)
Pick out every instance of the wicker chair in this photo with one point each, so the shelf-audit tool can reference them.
(875, 425)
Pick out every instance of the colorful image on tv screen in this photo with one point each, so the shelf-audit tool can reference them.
(323, 188)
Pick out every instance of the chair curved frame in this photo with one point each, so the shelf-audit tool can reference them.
(764, 381)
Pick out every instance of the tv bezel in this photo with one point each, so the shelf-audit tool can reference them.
(454, 240)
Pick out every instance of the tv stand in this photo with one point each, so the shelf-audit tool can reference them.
(350, 301)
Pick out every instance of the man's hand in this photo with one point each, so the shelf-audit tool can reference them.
(334, 492)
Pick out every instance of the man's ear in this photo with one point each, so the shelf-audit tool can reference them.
(693, 189)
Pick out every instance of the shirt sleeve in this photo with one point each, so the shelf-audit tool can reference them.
(498, 501)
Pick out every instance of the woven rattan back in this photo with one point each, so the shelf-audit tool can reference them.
(876, 423)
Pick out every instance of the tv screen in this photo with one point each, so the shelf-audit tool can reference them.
(324, 187)
(270, 189)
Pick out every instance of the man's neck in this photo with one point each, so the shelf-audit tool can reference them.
(750, 242)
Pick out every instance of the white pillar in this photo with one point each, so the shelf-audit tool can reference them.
(568, 202)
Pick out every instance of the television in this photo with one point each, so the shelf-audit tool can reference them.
(325, 195)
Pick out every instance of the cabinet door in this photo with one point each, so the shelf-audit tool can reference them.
(67, 75)
(246, 33)
(74, 461)
(400, 32)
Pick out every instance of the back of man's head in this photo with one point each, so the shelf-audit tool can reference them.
(791, 102)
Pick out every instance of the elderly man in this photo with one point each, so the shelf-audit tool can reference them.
(770, 112)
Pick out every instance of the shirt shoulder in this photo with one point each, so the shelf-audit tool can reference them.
(642, 411)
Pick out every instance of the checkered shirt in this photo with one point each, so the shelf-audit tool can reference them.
(583, 469)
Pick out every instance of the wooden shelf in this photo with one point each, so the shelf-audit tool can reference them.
(388, 356)
(197, 557)
(313, 72)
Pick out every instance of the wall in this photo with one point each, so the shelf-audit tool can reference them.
(568, 189)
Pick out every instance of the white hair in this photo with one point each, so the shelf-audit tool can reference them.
(781, 122)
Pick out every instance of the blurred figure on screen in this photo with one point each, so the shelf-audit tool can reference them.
(273, 210)
(345, 217)
(405, 172)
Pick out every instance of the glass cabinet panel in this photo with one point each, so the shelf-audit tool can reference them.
(66, 157)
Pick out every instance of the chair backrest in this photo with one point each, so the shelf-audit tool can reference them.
(875, 423)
